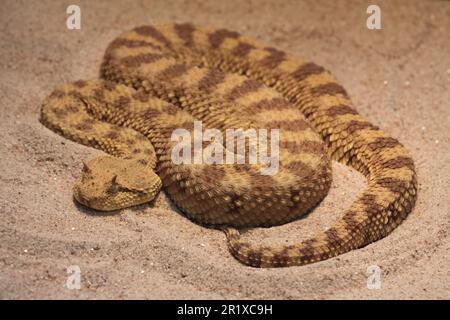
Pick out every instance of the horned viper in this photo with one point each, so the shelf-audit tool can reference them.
(158, 79)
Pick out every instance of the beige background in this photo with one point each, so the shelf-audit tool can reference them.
(398, 77)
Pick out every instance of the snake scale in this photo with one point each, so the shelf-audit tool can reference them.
(155, 79)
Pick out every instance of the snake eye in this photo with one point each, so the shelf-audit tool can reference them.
(113, 187)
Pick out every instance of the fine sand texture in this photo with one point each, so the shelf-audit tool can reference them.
(398, 78)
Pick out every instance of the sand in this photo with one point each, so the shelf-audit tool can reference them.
(398, 78)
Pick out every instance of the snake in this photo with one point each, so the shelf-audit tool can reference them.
(158, 79)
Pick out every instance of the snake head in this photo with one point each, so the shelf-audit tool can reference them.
(108, 183)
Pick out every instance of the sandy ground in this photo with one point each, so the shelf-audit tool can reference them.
(398, 77)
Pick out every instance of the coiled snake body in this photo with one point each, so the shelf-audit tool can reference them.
(158, 79)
